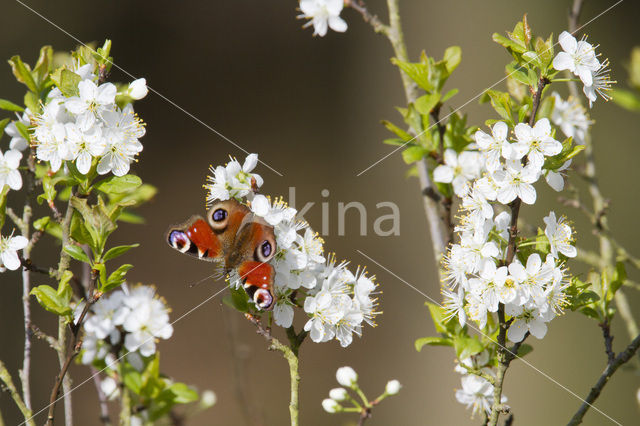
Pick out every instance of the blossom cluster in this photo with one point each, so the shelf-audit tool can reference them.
(348, 379)
(132, 319)
(337, 301)
(476, 392)
(579, 58)
(89, 127)
(480, 277)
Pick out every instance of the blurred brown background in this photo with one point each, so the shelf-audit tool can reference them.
(311, 108)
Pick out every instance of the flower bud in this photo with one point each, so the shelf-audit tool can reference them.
(208, 399)
(338, 394)
(346, 376)
(331, 406)
(138, 89)
(393, 387)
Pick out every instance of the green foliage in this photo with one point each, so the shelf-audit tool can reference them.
(630, 99)
(237, 299)
(56, 301)
(153, 391)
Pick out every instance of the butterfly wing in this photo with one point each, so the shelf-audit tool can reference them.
(236, 239)
(254, 246)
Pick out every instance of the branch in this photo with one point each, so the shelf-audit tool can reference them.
(373, 20)
(291, 355)
(608, 341)
(102, 398)
(621, 359)
(505, 356)
(76, 345)
(5, 377)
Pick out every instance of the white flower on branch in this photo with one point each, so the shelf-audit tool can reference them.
(515, 181)
(578, 57)
(323, 14)
(9, 247)
(571, 117)
(9, 174)
(493, 146)
(536, 142)
(17, 141)
(560, 236)
(458, 170)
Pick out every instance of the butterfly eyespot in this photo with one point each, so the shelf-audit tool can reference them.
(264, 251)
(263, 299)
(179, 241)
(219, 215)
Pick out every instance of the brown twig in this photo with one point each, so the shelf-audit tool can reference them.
(290, 353)
(105, 419)
(505, 356)
(373, 20)
(76, 345)
(622, 358)
(608, 341)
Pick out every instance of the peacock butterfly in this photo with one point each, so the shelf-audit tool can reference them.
(236, 239)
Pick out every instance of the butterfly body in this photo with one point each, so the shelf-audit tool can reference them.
(236, 239)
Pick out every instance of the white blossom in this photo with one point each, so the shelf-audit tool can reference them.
(578, 57)
(9, 247)
(458, 169)
(9, 173)
(536, 142)
(571, 117)
(323, 14)
(515, 181)
(346, 376)
(138, 89)
(560, 236)
(493, 146)
(392, 387)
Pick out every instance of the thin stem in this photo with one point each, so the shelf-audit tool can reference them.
(505, 356)
(125, 409)
(25, 230)
(430, 198)
(102, 398)
(291, 355)
(622, 358)
(5, 377)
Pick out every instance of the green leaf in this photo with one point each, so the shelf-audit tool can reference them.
(43, 65)
(52, 228)
(3, 124)
(22, 129)
(452, 58)
(590, 312)
(524, 349)
(402, 134)
(579, 296)
(50, 300)
(432, 341)
(130, 217)
(237, 299)
(508, 43)
(183, 394)
(22, 72)
(10, 106)
(117, 251)
(69, 81)
(501, 103)
(626, 99)
(118, 185)
(4, 191)
(131, 378)
(32, 101)
(618, 278)
(117, 277)
(413, 154)
(97, 220)
(450, 94)
(416, 71)
(467, 346)
(425, 103)
(77, 253)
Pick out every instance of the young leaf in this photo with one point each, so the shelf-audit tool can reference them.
(22, 72)
(432, 341)
(50, 300)
(118, 185)
(425, 103)
(117, 251)
(77, 253)
(416, 71)
(69, 83)
(10, 106)
(183, 394)
(116, 278)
